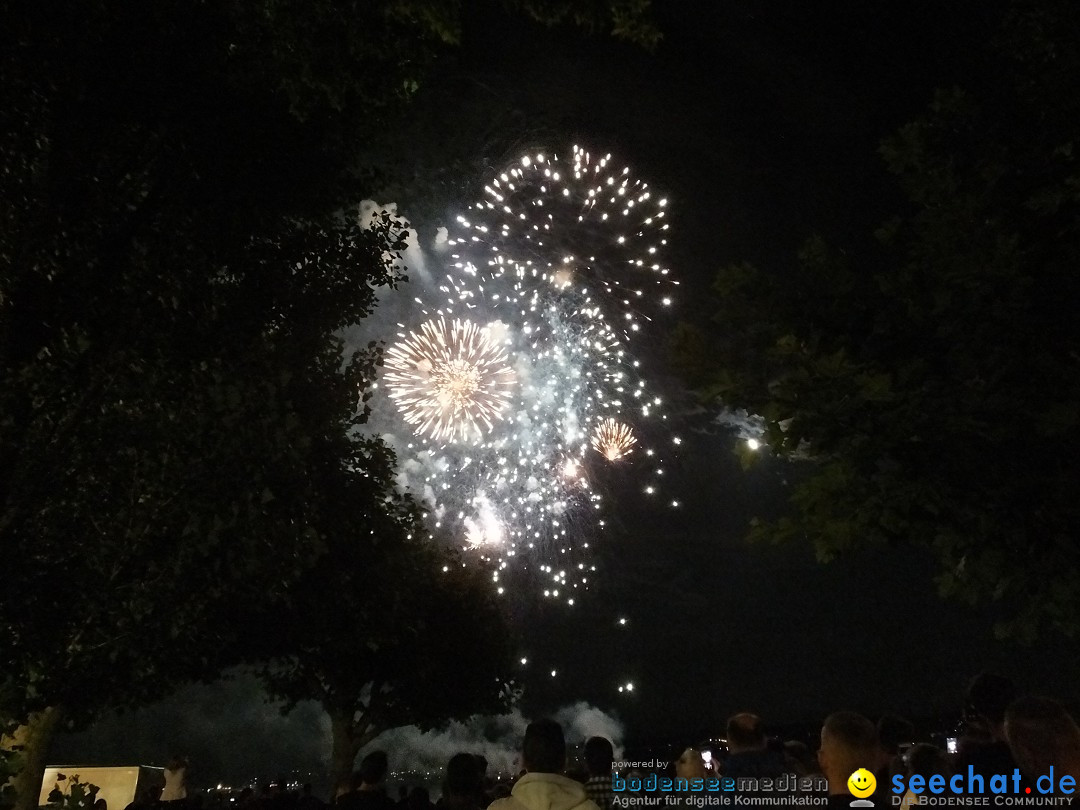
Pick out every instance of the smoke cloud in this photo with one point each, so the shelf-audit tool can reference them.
(498, 738)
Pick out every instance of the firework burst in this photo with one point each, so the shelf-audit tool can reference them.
(450, 380)
(572, 226)
(613, 439)
(565, 255)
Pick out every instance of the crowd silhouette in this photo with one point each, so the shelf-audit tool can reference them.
(1022, 746)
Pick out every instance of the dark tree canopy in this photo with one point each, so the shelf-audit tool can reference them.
(174, 263)
(933, 383)
(178, 250)
(159, 477)
(385, 629)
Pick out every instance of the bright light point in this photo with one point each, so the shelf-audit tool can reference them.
(675, 504)
(524, 661)
(552, 673)
(667, 302)
(753, 444)
(622, 621)
(629, 687)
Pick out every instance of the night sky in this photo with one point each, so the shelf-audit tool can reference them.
(760, 120)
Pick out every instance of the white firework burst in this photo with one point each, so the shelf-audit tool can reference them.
(450, 380)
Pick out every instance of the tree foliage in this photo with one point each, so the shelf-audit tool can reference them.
(934, 382)
(156, 477)
(178, 251)
(172, 271)
(386, 628)
(174, 262)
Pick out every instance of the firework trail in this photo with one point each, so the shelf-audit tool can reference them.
(555, 270)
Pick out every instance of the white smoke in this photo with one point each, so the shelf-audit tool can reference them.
(499, 331)
(234, 735)
(498, 738)
(412, 258)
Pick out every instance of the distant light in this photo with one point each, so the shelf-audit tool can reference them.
(753, 444)
(524, 661)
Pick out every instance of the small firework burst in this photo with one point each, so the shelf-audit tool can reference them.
(613, 439)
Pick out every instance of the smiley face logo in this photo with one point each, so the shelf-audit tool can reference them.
(861, 783)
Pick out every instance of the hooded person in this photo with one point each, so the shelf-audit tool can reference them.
(543, 787)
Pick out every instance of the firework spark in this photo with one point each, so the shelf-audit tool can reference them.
(450, 380)
(485, 529)
(613, 439)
